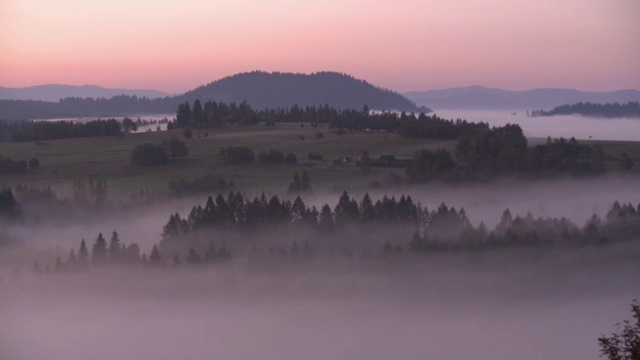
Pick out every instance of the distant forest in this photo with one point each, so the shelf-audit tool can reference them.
(480, 152)
(260, 89)
(610, 110)
(444, 229)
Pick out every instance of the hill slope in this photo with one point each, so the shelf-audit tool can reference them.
(478, 97)
(270, 90)
(55, 92)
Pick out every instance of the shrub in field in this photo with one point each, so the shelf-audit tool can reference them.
(149, 154)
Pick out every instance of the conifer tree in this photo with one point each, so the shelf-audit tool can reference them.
(193, 258)
(115, 251)
(305, 182)
(36, 268)
(211, 255)
(83, 255)
(154, 258)
(326, 218)
(71, 260)
(59, 266)
(99, 250)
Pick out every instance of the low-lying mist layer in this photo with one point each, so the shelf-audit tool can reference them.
(548, 304)
(358, 291)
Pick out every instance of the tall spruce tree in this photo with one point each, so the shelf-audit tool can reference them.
(99, 250)
(83, 255)
(115, 249)
(155, 259)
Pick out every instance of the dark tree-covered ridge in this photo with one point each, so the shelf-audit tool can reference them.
(260, 89)
(272, 90)
(609, 110)
(443, 229)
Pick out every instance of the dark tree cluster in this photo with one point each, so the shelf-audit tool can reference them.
(213, 114)
(51, 130)
(277, 157)
(622, 223)
(504, 151)
(624, 344)
(300, 184)
(176, 147)
(566, 156)
(86, 107)
(236, 212)
(34, 194)
(9, 166)
(85, 194)
(102, 253)
(612, 110)
(428, 165)
(433, 127)
(150, 154)
(444, 229)
(93, 192)
(8, 204)
(238, 155)
(217, 113)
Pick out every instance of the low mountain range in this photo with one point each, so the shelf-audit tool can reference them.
(259, 89)
(272, 90)
(56, 92)
(479, 97)
(281, 90)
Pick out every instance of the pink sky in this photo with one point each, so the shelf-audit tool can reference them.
(399, 44)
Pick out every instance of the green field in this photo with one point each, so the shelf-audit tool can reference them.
(63, 161)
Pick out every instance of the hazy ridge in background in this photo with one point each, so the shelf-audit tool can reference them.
(259, 89)
(479, 97)
(55, 92)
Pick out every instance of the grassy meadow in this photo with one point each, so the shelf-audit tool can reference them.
(63, 161)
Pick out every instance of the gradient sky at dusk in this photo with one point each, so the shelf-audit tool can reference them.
(401, 44)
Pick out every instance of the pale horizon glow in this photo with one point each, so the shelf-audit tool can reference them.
(402, 45)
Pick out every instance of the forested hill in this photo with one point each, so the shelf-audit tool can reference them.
(260, 90)
(270, 90)
(630, 109)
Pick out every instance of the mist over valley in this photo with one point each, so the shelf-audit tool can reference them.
(315, 180)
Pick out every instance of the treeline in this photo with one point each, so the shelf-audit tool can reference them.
(612, 110)
(86, 107)
(114, 253)
(213, 114)
(504, 151)
(152, 154)
(245, 214)
(444, 229)
(622, 223)
(8, 204)
(36, 201)
(52, 130)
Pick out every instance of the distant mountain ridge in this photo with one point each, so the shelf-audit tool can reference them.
(56, 92)
(268, 90)
(259, 89)
(479, 97)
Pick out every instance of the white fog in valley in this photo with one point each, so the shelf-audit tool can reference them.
(528, 303)
(575, 199)
(509, 305)
(567, 126)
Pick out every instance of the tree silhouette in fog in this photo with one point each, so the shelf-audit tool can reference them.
(99, 251)
(624, 344)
